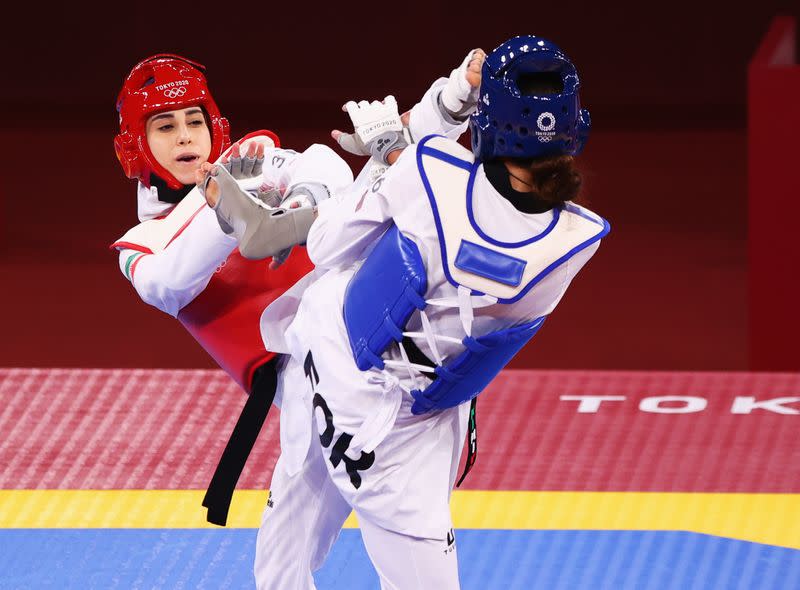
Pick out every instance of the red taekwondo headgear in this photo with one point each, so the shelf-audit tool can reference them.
(162, 82)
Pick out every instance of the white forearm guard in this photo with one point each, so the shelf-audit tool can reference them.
(459, 99)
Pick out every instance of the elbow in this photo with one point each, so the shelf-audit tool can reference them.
(159, 296)
(317, 249)
(168, 293)
(155, 296)
(313, 248)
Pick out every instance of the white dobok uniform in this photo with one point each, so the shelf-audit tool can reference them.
(174, 276)
(178, 253)
(181, 262)
(356, 443)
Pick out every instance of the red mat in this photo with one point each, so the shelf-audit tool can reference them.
(165, 429)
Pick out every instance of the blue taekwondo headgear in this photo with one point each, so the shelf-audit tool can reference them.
(510, 124)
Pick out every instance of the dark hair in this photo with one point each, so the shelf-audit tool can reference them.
(556, 179)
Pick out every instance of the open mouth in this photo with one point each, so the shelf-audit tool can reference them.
(188, 158)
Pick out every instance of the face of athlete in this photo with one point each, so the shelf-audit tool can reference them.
(180, 141)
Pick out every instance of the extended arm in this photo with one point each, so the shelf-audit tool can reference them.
(346, 224)
(286, 169)
(443, 110)
(448, 103)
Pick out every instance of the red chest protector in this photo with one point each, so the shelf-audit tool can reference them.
(224, 318)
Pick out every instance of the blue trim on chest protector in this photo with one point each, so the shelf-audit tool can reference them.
(472, 167)
(474, 223)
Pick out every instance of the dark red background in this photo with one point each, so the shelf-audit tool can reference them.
(666, 163)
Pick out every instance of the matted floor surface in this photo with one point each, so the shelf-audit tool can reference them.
(584, 480)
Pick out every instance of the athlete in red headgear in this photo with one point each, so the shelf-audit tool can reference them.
(160, 83)
(179, 260)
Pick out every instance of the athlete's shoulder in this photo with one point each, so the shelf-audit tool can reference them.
(586, 214)
(444, 147)
(156, 234)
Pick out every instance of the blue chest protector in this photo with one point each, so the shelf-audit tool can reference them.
(378, 303)
(381, 297)
(392, 282)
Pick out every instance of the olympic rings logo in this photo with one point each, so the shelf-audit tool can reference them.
(175, 92)
(546, 122)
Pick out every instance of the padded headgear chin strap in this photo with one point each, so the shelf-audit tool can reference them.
(160, 83)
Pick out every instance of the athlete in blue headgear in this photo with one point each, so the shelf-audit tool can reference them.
(437, 274)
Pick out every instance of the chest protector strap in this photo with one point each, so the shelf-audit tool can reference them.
(380, 299)
(466, 375)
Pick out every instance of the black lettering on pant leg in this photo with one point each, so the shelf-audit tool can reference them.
(353, 466)
(326, 437)
(311, 370)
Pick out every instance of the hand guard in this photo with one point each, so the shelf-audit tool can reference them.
(378, 148)
(350, 142)
(370, 119)
(261, 232)
(241, 168)
(458, 97)
(305, 194)
(271, 197)
(385, 143)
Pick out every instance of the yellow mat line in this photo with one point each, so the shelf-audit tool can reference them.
(763, 518)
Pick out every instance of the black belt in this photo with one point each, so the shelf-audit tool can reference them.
(416, 356)
(240, 444)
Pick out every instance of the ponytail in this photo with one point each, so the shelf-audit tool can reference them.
(556, 179)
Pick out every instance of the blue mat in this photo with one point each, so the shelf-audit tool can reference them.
(489, 559)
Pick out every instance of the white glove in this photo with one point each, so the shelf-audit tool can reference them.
(369, 121)
(458, 96)
(372, 119)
